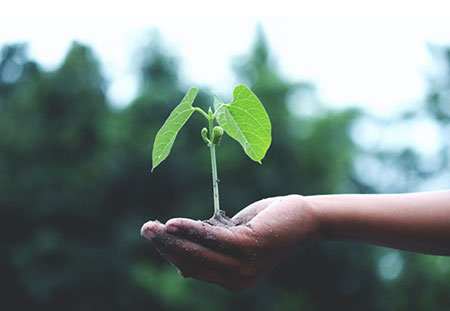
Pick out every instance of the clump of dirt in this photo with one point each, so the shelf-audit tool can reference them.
(222, 220)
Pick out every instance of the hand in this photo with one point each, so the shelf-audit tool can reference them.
(235, 257)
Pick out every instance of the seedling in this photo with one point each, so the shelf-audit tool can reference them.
(244, 119)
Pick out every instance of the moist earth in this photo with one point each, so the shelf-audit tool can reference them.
(222, 220)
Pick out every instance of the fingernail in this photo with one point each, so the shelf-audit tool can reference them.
(147, 232)
(171, 228)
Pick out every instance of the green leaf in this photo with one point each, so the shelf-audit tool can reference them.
(246, 120)
(168, 132)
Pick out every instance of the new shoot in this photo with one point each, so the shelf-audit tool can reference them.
(244, 119)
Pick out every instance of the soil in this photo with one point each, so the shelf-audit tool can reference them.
(222, 220)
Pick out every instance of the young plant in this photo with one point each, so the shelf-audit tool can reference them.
(244, 119)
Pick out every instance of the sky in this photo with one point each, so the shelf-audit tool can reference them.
(378, 63)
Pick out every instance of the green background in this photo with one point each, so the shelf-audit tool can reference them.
(75, 188)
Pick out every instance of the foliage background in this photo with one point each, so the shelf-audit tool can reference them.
(75, 188)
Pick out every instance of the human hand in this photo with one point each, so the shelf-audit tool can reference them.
(235, 257)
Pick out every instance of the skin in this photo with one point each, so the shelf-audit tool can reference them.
(268, 230)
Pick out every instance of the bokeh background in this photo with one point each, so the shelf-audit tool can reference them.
(75, 181)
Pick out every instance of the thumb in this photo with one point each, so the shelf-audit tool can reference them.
(248, 213)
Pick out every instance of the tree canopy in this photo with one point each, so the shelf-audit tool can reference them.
(76, 187)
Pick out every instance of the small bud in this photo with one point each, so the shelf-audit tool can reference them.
(204, 132)
(217, 134)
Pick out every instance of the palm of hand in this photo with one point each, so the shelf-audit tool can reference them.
(234, 257)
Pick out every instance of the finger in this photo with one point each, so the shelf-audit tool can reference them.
(189, 267)
(167, 242)
(214, 237)
(198, 262)
(193, 252)
(282, 210)
(151, 228)
(246, 214)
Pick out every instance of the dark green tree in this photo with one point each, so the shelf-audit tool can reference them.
(76, 186)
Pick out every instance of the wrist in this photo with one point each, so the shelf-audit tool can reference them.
(317, 207)
(308, 218)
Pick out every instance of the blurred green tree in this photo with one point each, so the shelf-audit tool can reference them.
(54, 182)
(76, 187)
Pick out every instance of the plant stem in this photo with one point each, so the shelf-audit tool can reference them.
(202, 112)
(215, 180)
(218, 109)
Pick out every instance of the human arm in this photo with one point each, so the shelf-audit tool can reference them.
(417, 222)
(237, 257)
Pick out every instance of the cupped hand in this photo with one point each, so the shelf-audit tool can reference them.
(235, 257)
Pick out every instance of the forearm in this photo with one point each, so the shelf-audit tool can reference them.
(418, 222)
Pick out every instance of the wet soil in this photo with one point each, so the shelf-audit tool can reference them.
(222, 220)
